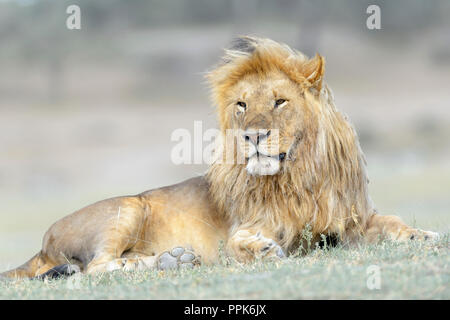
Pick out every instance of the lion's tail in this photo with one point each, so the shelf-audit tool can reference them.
(38, 264)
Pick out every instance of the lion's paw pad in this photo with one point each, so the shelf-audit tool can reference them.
(177, 258)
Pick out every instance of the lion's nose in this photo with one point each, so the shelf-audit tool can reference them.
(256, 136)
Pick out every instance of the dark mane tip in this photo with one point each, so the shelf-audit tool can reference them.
(243, 44)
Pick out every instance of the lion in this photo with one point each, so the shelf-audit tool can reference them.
(275, 98)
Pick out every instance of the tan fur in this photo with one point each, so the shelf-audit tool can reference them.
(130, 232)
(321, 183)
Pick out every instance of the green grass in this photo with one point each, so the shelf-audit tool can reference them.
(414, 270)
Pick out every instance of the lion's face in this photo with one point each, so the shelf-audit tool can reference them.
(264, 92)
(267, 114)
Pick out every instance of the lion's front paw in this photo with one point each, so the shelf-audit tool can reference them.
(176, 258)
(249, 246)
(272, 249)
(417, 234)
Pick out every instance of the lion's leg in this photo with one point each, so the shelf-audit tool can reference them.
(140, 262)
(39, 264)
(109, 260)
(178, 257)
(106, 264)
(63, 270)
(247, 244)
(392, 227)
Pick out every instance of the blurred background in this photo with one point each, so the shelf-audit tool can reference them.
(88, 114)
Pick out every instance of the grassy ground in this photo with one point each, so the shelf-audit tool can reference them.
(413, 270)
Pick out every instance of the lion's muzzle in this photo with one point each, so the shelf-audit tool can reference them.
(261, 148)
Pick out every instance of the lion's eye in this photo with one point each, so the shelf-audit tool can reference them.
(242, 105)
(279, 103)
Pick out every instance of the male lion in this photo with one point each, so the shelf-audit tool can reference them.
(259, 207)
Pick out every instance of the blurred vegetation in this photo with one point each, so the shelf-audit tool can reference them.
(115, 32)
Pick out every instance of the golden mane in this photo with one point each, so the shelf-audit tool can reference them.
(324, 184)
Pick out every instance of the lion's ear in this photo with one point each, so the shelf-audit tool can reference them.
(313, 71)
